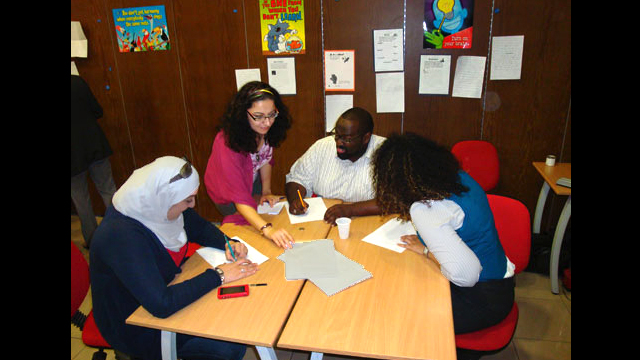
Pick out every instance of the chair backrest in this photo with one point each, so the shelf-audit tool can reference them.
(480, 160)
(79, 278)
(513, 223)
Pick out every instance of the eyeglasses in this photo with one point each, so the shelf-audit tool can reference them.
(343, 138)
(185, 171)
(260, 118)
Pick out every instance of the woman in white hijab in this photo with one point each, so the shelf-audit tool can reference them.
(138, 249)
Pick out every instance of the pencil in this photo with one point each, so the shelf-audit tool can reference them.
(300, 196)
(230, 248)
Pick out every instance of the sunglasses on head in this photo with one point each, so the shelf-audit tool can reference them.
(185, 171)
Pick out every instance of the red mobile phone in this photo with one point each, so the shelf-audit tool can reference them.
(225, 292)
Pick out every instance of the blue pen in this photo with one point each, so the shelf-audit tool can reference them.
(230, 248)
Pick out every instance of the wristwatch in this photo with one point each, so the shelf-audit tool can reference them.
(264, 227)
(221, 273)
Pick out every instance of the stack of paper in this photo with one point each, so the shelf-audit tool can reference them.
(327, 268)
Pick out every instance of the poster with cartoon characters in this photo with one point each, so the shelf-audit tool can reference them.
(448, 24)
(282, 27)
(141, 29)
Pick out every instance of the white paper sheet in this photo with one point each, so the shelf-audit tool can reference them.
(339, 70)
(388, 51)
(78, 40)
(265, 208)
(467, 82)
(506, 57)
(244, 76)
(388, 235)
(390, 92)
(435, 72)
(315, 212)
(282, 74)
(216, 257)
(336, 105)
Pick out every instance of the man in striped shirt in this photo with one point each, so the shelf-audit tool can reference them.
(338, 167)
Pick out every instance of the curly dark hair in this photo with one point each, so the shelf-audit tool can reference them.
(409, 168)
(239, 135)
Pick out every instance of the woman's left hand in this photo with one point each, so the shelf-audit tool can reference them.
(239, 249)
(271, 199)
(412, 243)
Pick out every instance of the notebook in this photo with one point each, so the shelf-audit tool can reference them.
(319, 262)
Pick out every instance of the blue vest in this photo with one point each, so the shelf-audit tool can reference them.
(478, 230)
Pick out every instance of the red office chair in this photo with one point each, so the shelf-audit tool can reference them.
(79, 286)
(514, 229)
(480, 160)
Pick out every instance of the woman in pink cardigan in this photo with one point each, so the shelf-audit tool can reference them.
(239, 167)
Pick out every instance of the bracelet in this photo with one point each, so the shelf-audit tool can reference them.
(264, 227)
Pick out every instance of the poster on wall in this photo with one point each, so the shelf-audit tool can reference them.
(339, 70)
(141, 29)
(448, 24)
(282, 27)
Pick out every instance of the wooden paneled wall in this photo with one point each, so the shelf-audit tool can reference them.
(169, 102)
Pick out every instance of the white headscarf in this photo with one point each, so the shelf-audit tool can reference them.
(147, 196)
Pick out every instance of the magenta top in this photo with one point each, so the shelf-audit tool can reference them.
(229, 176)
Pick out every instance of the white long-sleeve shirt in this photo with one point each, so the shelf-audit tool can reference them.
(437, 225)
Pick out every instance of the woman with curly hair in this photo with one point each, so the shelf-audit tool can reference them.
(239, 167)
(422, 181)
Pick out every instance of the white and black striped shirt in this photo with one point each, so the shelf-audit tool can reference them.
(322, 172)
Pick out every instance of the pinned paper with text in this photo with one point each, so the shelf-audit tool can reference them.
(467, 81)
(506, 57)
(434, 74)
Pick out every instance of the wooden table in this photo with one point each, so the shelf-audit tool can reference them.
(551, 174)
(256, 319)
(403, 312)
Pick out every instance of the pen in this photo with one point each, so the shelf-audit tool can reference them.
(300, 196)
(257, 284)
(230, 248)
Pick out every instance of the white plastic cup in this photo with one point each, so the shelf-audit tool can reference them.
(551, 160)
(343, 227)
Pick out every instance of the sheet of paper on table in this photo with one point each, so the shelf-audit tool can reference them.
(265, 208)
(388, 235)
(216, 257)
(316, 211)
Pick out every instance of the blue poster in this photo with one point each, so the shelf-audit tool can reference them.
(141, 29)
(448, 24)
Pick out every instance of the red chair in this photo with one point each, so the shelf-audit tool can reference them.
(513, 223)
(480, 160)
(79, 286)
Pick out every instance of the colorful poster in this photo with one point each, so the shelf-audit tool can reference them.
(282, 27)
(448, 24)
(141, 29)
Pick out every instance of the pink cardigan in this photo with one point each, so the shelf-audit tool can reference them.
(229, 178)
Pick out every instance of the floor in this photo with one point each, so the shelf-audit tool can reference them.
(543, 332)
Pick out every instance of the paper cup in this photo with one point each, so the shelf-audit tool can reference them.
(551, 160)
(343, 227)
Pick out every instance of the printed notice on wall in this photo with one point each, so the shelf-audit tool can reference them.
(390, 92)
(434, 74)
(467, 81)
(506, 57)
(282, 74)
(339, 70)
(282, 27)
(141, 29)
(388, 52)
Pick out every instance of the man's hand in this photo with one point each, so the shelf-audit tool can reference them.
(336, 211)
